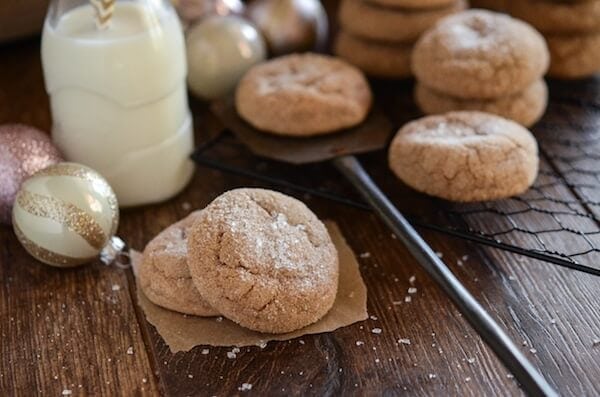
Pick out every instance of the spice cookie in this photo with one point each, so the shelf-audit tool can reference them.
(525, 107)
(413, 4)
(164, 274)
(303, 95)
(558, 17)
(465, 156)
(263, 260)
(480, 54)
(574, 56)
(377, 59)
(367, 20)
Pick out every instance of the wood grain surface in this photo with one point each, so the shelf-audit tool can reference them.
(71, 329)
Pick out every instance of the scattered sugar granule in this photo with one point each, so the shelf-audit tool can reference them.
(262, 344)
(130, 350)
(510, 376)
(245, 387)
(524, 343)
(205, 351)
(116, 287)
(465, 258)
(432, 376)
(190, 376)
(393, 236)
(407, 299)
(439, 254)
(377, 360)
(552, 321)
(533, 351)
(186, 206)
(412, 279)
(233, 353)
(404, 341)
(459, 262)
(67, 392)
(374, 318)
(301, 341)
(376, 330)
(219, 319)
(470, 360)
(144, 380)
(468, 379)
(596, 342)
(412, 290)
(365, 255)
(359, 343)
(396, 303)
(512, 278)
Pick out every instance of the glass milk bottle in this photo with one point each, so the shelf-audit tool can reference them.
(115, 72)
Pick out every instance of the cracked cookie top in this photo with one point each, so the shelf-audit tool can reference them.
(465, 156)
(164, 274)
(264, 260)
(480, 54)
(303, 95)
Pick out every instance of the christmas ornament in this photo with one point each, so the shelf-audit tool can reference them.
(24, 150)
(219, 51)
(193, 11)
(291, 25)
(66, 214)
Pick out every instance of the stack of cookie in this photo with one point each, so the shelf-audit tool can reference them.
(572, 30)
(482, 60)
(257, 257)
(377, 36)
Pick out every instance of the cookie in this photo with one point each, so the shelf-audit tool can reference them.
(413, 4)
(378, 59)
(574, 56)
(558, 17)
(263, 260)
(480, 54)
(303, 95)
(367, 20)
(525, 107)
(465, 156)
(164, 274)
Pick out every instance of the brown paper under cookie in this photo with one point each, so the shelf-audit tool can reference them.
(182, 332)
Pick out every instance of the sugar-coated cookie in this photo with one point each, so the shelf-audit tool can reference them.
(525, 107)
(465, 156)
(413, 4)
(386, 60)
(303, 95)
(480, 54)
(558, 16)
(367, 20)
(264, 260)
(574, 56)
(164, 274)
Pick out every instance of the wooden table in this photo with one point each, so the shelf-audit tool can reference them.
(72, 329)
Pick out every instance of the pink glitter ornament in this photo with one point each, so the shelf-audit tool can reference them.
(24, 150)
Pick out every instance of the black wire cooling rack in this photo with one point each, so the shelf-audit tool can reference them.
(557, 220)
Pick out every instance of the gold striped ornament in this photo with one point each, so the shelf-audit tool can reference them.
(66, 215)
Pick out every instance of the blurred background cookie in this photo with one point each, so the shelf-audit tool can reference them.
(574, 56)
(164, 274)
(377, 36)
(482, 60)
(525, 107)
(480, 54)
(264, 260)
(303, 95)
(465, 156)
(375, 58)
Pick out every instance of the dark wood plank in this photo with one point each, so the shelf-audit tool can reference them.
(61, 329)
